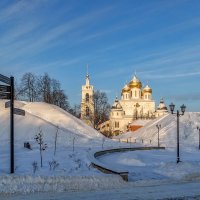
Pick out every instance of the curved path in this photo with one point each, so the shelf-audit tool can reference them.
(123, 174)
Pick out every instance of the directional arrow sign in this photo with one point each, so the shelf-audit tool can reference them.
(5, 88)
(7, 104)
(18, 111)
(4, 79)
(5, 95)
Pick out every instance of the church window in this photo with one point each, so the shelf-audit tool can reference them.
(135, 93)
(87, 111)
(116, 124)
(87, 97)
(131, 94)
(117, 113)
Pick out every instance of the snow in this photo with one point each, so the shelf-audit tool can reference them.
(151, 166)
(74, 171)
(74, 165)
(178, 191)
(188, 131)
(29, 184)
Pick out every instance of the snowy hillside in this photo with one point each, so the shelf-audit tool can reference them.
(75, 140)
(189, 136)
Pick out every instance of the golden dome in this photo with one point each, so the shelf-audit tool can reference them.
(125, 89)
(147, 89)
(135, 83)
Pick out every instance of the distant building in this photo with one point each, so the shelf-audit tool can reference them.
(136, 103)
(87, 104)
(161, 109)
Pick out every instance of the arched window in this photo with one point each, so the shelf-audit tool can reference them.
(87, 97)
(135, 94)
(87, 111)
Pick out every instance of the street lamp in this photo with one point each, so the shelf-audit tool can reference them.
(158, 127)
(183, 107)
(198, 128)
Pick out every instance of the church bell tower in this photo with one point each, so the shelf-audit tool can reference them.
(87, 103)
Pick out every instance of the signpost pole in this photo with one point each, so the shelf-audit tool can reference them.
(12, 126)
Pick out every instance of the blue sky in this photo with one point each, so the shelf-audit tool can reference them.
(159, 39)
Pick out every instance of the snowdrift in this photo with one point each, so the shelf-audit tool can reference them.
(188, 131)
(75, 140)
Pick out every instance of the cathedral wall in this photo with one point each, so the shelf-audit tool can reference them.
(141, 107)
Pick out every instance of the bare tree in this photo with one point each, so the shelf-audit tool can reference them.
(39, 140)
(62, 100)
(44, 85)
(101, 108)
(55, 87)
(75, 110)
(42, 88)
(28, 86)
(51, 92)
(17, 91)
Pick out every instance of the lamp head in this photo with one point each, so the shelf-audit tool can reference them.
(172, 106)
(158, 125)
(183, 107)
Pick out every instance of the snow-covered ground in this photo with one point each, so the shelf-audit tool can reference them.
(173, 191)
(151, 167)
(74, 172)
(189, 136)
(75, 143)
(46, 117)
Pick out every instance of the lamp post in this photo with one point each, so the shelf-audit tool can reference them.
(158, 127)
(198, 128)
(183, 107)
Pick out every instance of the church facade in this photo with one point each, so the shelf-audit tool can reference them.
(136, 102)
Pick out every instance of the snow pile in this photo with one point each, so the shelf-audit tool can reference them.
(61, 118)
(75, 139)
(28, 184)
(152, 167)
(149, 133)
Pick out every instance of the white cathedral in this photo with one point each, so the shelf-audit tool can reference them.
(136, 103)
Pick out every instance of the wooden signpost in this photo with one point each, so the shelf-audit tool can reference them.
(7, 92)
